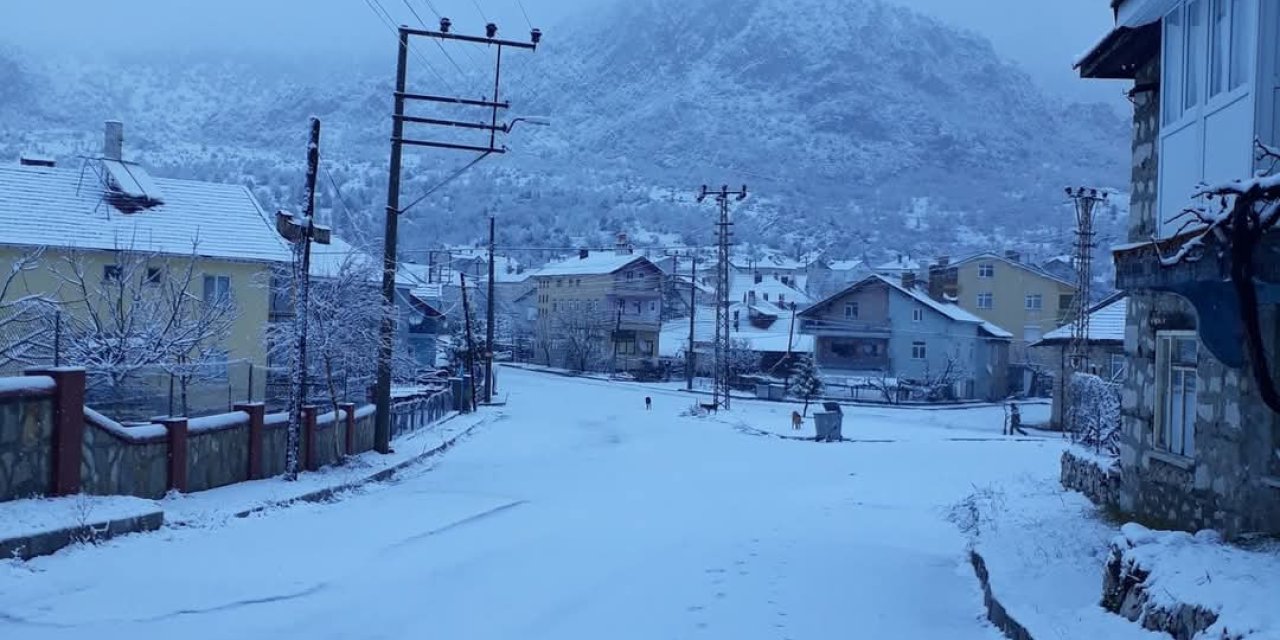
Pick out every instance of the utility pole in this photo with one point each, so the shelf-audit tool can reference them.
(617, 329)
(471, 345)
(382, 421)
(691, 358)
(488, 352)
(301, 233)
(791, 334)
(1085, 201)
(724, 232)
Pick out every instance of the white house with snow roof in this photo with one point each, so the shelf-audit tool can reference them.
(1104, 348)
(91, 214)
(880, 329)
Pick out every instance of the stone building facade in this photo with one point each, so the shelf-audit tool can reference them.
(1214, 461)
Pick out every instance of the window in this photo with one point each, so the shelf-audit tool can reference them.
(918, 351)
(1173, 66)
(1176, 392)
(646, 347)
(653, 306)
(154, 275)
(1065, 302)
(1219, 45)
(986, 301)
(850, 310)
(631, 275)
(917, 314)
(1035, 302)
(1241, 43)
(112, 272)
(986, 270)
(1195, 59)
(766, 296)
(217, 290)
(1119, 365)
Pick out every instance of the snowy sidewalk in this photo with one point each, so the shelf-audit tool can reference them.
(39, 526)
(242, 499)
(35, 527)
(1045, 549)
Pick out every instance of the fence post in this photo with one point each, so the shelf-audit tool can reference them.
(349, 412)
(309, 438)
(257, 412)
(177, 428)
(68, 426)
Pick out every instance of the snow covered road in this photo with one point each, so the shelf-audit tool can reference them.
(575, 514)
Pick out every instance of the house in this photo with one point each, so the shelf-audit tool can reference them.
(1198, 447)
(768, 334)
(599, 311)
(898, 267)
(1008, 292)
(106, 223)
(825, 277)
(760, 291)
(880, 327)
(1104, 349)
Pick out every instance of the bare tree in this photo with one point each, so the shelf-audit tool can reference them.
(24, 317)
(886, 385)
(584, 334)
(937, 386)
(143, 312)
(1234, 216)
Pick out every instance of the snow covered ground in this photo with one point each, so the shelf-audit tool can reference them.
(575, 513)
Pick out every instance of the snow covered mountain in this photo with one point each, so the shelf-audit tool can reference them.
(858, 124)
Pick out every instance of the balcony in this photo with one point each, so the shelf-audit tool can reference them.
(1204, 280)
(845, 328)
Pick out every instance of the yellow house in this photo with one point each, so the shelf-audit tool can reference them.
(1007, 292)
(87, 234)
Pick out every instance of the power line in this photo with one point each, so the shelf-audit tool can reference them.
(390, 23)
(526, 13)
(482, 15)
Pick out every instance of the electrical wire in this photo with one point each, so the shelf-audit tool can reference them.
(444, 182)
(389, 22)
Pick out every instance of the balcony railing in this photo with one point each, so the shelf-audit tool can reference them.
(848, 328)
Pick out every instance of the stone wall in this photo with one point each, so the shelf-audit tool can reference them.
(120, 460)
(364, 429)
(1097, 477)
(218, 451)
(275, 440)
(26, 449)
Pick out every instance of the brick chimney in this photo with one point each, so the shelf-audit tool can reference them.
(909, 280)
(113, 140)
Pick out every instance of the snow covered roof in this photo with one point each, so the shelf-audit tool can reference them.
(64, 207)
(327, 261)
(901, 263)
(593, 264)
(844, 265)
(675, 336)
(743, 283)
(1106, 323)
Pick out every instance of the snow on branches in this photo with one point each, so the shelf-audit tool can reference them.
(1236, 215)
(1094, 413)
(805, 383)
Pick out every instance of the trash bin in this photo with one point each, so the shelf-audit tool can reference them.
(828, 425)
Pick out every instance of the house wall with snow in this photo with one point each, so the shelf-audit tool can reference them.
(1198, 447)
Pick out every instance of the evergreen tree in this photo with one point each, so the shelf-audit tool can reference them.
(805, 383)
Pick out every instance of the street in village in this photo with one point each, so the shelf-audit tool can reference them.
(574, 512)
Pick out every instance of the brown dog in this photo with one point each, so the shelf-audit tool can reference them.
(796, 421)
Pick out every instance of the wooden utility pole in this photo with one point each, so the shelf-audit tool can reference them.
(471, 345)
(382, 421)
(301, 233)
(791, 334)
(488, 351)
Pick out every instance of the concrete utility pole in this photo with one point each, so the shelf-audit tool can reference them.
(471, 345)
(301, 233)
(724, 233)
(488, 351)
(382, 421)
(691, 358)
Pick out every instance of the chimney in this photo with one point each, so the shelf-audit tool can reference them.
(944, 261)
(909, 280)
(583, 254)
(113, 140)
(1013, 256)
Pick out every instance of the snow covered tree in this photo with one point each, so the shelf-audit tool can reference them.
(143, 312)
(1232, 218)
(742, 359)
(584, 336)
(1093, 415)
(805, 383)
(26, 319)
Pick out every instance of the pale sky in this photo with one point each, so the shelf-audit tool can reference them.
(1043, 36)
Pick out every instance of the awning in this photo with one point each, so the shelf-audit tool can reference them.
(1121, 52)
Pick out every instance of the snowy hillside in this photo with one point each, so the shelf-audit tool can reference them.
(859, 126)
